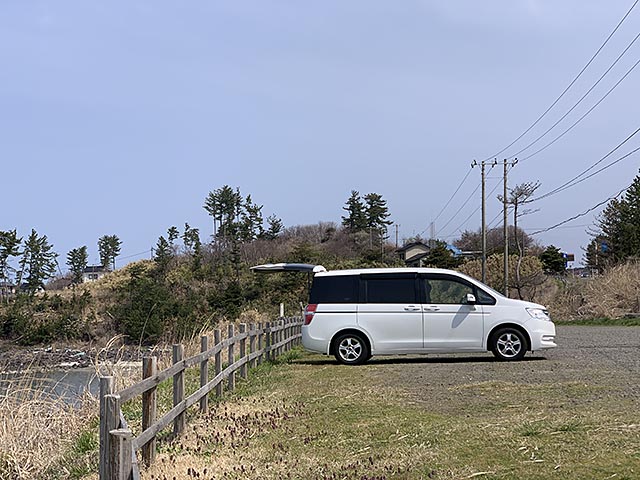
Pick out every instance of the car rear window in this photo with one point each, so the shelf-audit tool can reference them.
(334, 289)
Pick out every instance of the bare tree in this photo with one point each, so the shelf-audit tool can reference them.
(519, 196)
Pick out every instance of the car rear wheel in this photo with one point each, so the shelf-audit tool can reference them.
(508, 344)
(351, 349)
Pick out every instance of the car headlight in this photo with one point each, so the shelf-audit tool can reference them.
(538, 313)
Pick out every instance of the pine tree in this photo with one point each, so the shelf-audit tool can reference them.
(355, 220)
(235, 219)
(552, 260)
(441, 257)
(77, 259)
(9, 247)
(38, 261)
(191, 240)
(618, 227)
(162, 253)
(274, 229)
(251, 220)
(109, 249)
(376, 212)
(596, 255)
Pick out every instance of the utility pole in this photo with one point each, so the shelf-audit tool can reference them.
(484, 215)
(506, 225)
(397, 226)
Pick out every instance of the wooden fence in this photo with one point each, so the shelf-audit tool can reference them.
(245, 349)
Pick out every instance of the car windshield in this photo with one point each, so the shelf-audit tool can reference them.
(484, 286)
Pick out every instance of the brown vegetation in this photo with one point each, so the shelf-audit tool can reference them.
(613, 294)
(38, 431)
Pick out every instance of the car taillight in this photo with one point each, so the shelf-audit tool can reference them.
(309, 312)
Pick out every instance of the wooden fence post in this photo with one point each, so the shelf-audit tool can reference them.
(260, 342)
(178, 390)
(120, 454)
(231, 359)
(267, 341)
(149, 408)
(252, 344)
(279, 336)
(243, 348)
(107, 386)
(112, 422)
(217, 361)
(287, 334)
(204, 373)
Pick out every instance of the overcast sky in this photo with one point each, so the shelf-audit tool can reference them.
(119, 117)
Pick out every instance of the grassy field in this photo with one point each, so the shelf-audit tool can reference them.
(310, 418)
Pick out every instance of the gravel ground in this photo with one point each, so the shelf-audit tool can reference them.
(590, 365)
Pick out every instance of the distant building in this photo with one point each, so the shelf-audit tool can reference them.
(414, 253)
(92, 273)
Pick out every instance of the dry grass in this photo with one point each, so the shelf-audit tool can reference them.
(37, 430)
(315, 420)
(610, 295)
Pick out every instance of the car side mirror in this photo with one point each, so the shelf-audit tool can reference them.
(471, 299)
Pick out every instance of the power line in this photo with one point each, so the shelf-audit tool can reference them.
(579, 119)
(581, 214)
(146, 252)
(575, 181)
(448, 201)
(600, 170)
(474, 211)
(568, 87)
(454, 194)
(462, 206)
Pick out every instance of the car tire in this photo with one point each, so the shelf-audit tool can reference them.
(508, 344)
(351, 349)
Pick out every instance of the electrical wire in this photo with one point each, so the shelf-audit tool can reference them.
(461, 207)
(576, 180)
(509, 168)
(120, 257)
(582, 117)
(568, 87)
(448, 201)
(581, 214)
(451, 198)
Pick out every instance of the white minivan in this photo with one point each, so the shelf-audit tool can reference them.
(354, 314)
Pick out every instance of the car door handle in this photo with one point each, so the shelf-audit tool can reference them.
(412, 308)
(431, 308)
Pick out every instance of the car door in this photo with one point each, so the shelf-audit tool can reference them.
(450, 321)
(390, 312)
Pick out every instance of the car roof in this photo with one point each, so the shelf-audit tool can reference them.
(360, 271)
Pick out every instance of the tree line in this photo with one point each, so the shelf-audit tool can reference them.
(194, 278)
(615, 236)
(37, 262)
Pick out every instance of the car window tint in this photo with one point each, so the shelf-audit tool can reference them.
(390, 290)
(484, 298)
(334, 289)
(446, 291)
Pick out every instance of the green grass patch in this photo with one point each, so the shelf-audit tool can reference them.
(308, 417)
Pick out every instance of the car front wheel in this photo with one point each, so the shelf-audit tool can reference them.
(508, 344)
(351, 349)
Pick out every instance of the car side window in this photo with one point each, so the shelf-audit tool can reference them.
(390, 290)
(447, 291)
(484, 298)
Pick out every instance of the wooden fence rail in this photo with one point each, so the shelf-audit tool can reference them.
(245, 349)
